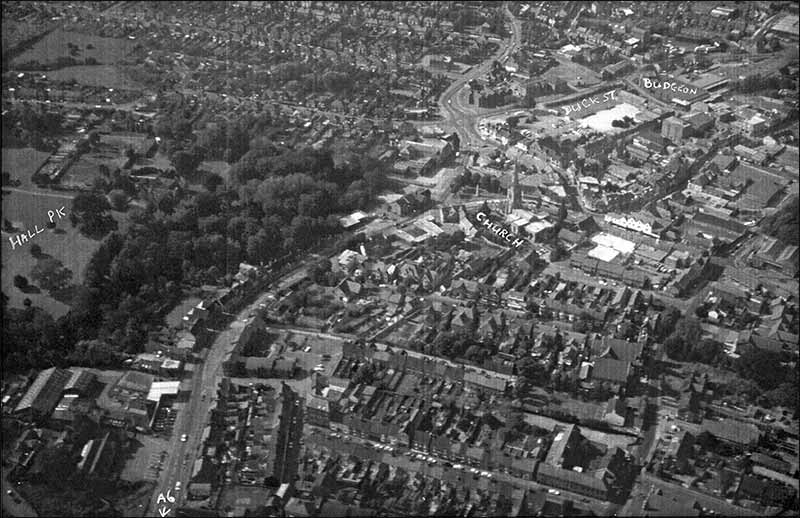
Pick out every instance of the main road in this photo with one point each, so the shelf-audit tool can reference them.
(193, 417)
(461, 117)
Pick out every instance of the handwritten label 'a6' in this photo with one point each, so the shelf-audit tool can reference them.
(162, 499)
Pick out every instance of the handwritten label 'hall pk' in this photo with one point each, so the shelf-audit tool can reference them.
(23, 238)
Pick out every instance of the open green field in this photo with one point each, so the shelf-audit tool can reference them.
(26, 210)
(21, 163)
(55, 45)
(108, 76)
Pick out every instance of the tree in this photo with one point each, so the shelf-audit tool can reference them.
(89, 202)
(515, 421)
(530, 98)
(763, 367)
(785, 223)
(60, 462)
(364, 374)
(559, 253)
(562, 213)
(263, 246)
(21, 282)
(211, 181)
(118, 200)
(51, 274)
(185, 164)
(320, 270)
(90, 211)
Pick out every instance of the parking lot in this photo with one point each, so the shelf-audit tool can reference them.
(147, 459)
(165, 420)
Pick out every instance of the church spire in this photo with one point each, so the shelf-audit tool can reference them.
(514, 201)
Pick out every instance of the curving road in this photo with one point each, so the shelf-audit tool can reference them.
(463, 117)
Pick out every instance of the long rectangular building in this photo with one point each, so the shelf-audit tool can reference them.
(44, 393)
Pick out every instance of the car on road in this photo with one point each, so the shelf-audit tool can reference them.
(554, 492)
(184, 438)
(177, 486)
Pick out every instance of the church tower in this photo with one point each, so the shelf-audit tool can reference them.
(513, 193)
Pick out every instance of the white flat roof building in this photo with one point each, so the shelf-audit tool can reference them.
(623, 246)
(603, 253)
(162, 388)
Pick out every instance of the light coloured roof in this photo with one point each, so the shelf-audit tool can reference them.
(163, 388)
(603, 253)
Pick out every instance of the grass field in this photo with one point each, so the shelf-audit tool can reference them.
(108, 76)
(87, 168)
(74, 250)
(55, 45)
(21, 163)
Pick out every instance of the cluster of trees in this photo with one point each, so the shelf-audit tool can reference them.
(444, 241)
(32, 339)
(685, 344)
(51, 274)
(90, 212)
(765, 378)
(759, 83)
(27, 126)
(468, 179)
(463, 18)
(785, 223)
(532, 373)
(455, 344)
(624, 122)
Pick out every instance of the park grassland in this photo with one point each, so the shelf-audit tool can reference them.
(26, 210)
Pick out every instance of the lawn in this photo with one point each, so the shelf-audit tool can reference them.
(26, 210)
(21, 163)
(55, 45)
(108, 76)
(110, 152)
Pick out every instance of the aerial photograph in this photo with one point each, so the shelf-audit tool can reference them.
(400, 258)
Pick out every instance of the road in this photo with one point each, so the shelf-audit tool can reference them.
(722, 507)
(49, 194)
(15, 504)
(462, 117)
(193, 416)
(420, 461)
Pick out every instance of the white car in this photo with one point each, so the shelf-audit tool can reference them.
(554, 492)
(177, 486)
(184, 438)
